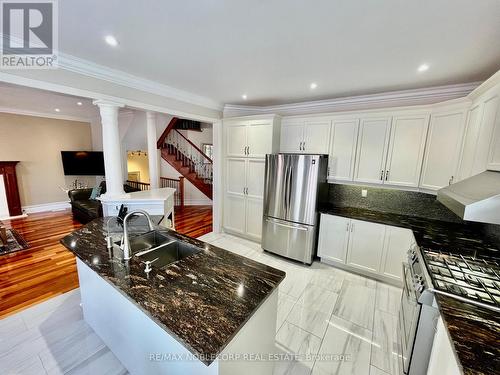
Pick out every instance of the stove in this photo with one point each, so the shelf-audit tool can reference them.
(464, 277)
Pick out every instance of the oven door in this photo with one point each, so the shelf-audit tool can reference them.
(409, 314)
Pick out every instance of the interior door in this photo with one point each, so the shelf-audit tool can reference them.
(292, 136)
(406, 150)
(236, 140)
(444, 143)
(259, 139)
(373, 141)
(344, 137)
(366, 243)
(333, 238)
(317, 137)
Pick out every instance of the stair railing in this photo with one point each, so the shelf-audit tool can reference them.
(190, 155)
(178, 185)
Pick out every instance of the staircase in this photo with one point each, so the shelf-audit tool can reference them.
(186, 157)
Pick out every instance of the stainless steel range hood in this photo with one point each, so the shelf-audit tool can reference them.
(476, 198)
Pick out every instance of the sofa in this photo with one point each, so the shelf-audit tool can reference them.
(85, 209)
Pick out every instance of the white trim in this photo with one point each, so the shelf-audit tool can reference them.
(69, 90)
(13, 217)
(197, 202)
(15, 111)
(486, 85)
(400, 98)
(43, 207)
(91, 69)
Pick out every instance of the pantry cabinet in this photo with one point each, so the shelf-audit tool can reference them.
(305, 136)
(373, 249)
(247, 141)
(442, 156)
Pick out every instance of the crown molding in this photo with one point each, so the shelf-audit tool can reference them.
(400, 98)
(494, 80)
(91, 69)
(15, 111)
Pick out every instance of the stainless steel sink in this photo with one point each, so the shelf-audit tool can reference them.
(159, 249)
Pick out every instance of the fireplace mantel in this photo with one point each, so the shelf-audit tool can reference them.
(8, 170)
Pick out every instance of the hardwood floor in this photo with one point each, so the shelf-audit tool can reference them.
(44, 270)
(194, 221)
(47, 269)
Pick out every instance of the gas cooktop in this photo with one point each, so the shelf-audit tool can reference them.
(465, 277)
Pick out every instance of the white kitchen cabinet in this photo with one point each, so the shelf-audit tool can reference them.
(247, 141)
(491, 119)
(366, 243)
(344, 137)
(305, 136)
(373, 249)
(406, 150)
(397, 241)
(444, 142)
(443, 360)
(470, 142)
(333, 238)
(373, 141)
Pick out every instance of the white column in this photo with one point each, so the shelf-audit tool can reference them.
(111, 147)
(153, 158)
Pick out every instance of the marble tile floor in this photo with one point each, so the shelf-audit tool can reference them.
(329, 322)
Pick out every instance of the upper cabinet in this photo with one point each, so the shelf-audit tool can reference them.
(492, 119)
(305, 136)
(344, 136)
(252, 138)
(444, 143)
(373, 141)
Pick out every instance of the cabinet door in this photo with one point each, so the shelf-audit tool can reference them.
(366, 243)
(372, 150)
(344, 136)
(444, 143)
(234, 213)
(292, 136)
(254, 218)
(397, 243)
(236, 139)
(406, 150)
(236, 176)
(333, 238)
(255, 170)
(260, 139)
(491, 120)
(470, 142)
(316, 137)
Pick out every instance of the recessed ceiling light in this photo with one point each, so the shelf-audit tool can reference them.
(57, 110)
(79, 103)
(111, 40)
(313, 85)
(244, 96)
(423, 68)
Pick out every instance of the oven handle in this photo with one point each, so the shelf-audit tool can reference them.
(406, 268)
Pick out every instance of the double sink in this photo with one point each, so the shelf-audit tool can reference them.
(159, 250)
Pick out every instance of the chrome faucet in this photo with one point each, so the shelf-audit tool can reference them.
(126, 244)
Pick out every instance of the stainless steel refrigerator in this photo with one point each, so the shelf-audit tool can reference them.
(293, 185)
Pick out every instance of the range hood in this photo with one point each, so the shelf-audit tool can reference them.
(476, 198)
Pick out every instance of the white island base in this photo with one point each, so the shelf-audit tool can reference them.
(143, 347)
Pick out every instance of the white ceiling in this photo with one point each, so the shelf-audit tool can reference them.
(29, 101)
(273, 49)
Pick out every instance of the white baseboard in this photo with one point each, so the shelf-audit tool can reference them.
(197, 202)
(54, 206)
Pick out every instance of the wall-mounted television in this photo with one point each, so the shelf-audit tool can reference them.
(83, 163)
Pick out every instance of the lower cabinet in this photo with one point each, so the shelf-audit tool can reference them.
(374, 249)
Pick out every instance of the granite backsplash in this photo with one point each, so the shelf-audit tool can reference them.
(402, 202)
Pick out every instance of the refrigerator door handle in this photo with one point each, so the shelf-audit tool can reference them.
(287, 225)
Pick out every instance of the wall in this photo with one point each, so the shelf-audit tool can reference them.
(199, 138)
(139, 163)
(37, 143)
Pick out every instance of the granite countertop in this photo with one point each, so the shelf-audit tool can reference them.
(202, 300)
(474, 331)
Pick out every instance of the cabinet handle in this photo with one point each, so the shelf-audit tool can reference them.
(347, 227)
(304, 146)
(381, 175)
(386, 175)
(247, 191)
(300, 146)
(352, 227)
(248, 150)
(451, 180)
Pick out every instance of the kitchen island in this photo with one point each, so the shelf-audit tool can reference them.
(200, 315)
